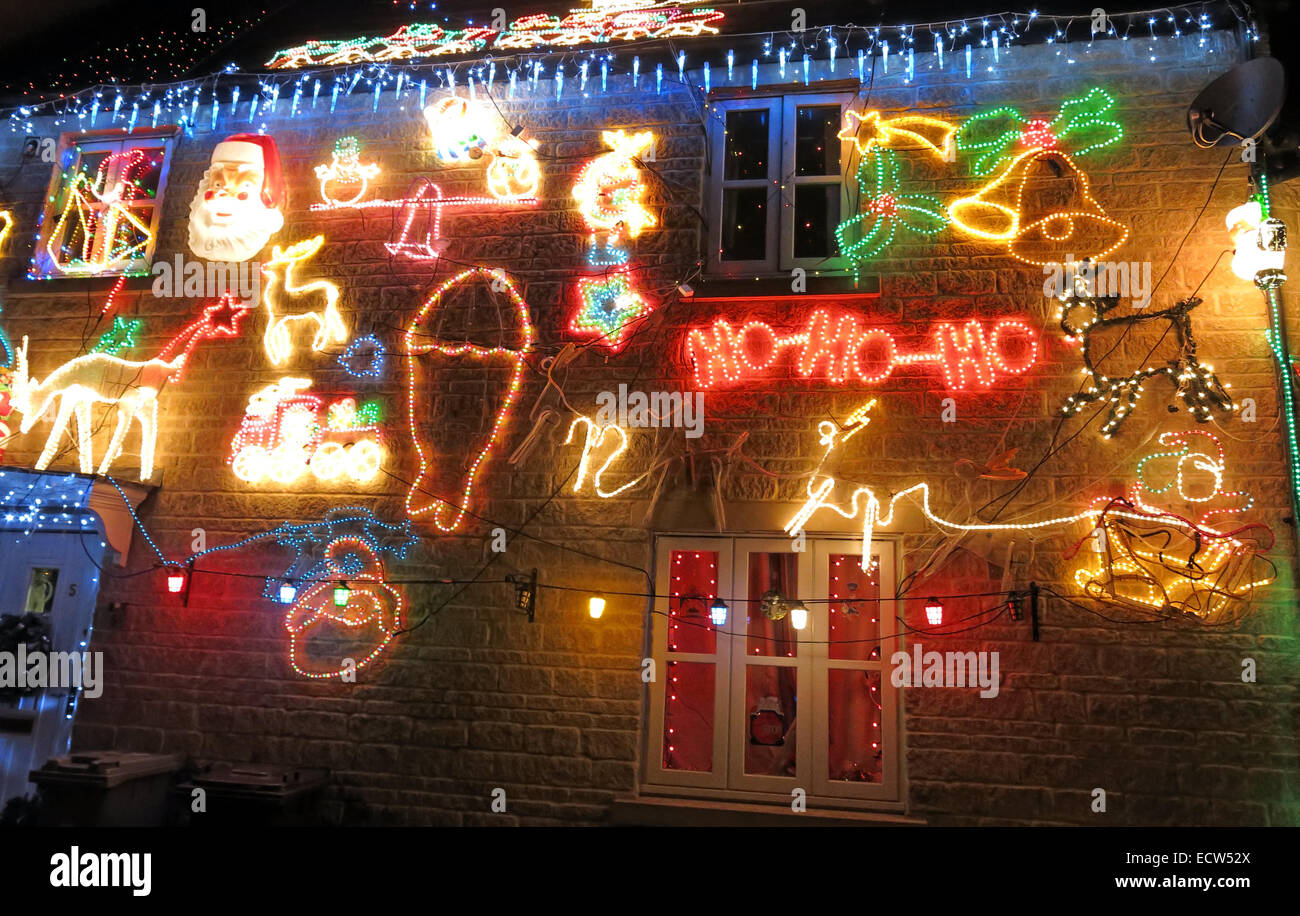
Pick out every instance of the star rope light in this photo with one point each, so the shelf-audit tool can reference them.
(121, 336)
(1196, 384)
(372, 609)
(884, 209)
(345, 170)
(869, 131)
(112, 237)
(286, 433)
(610, 195)
(418, 341)
(1150, 557)
(833, 343)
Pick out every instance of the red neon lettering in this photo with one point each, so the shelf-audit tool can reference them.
(832, 347)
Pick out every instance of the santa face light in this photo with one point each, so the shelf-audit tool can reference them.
(237, 207)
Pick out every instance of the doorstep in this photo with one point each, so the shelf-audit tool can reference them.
(647, 811)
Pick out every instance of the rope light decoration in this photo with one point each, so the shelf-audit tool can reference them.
(996, 137)
(112, 237)
(869, 131)
(370, 613)
(833, 347)
(610, 196)
(286, 433)
(464, 131)
(345, 170)
(884, 210)
(595, 439)
(1149, 557)
(606, 22)
(131, 388)
(288, 302)
(447, 514)
(1197, 386)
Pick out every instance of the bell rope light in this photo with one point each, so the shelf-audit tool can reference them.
(834, 347)
(419, 340)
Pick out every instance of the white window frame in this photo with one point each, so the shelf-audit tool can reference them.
(782, 111)
(812, 662)
(43, 265)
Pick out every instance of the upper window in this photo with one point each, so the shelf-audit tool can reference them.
(101, 214)
(776, 188)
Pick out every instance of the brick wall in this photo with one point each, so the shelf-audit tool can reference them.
(477, 698)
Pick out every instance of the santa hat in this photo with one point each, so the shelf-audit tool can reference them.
(258, 150)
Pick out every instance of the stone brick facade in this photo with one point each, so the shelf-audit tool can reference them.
(477, 698)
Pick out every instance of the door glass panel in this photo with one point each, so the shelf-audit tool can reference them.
(773, 587)
(854, 608)
(746, 148)
(770, 696)
(694, 586)
(744, 224)
(688, 716)
(816, 146)
(816, 215)
(41, 585)
(853, 733)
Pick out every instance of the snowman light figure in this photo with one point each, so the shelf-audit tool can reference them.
(345, 171)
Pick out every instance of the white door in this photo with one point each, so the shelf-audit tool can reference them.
(55, 575)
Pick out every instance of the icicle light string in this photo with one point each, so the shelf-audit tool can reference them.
(178, 96)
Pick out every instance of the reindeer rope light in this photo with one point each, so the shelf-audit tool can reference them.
(1196, 383)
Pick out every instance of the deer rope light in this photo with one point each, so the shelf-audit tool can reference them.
(1197, 385)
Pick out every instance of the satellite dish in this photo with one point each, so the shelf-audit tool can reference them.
(1240, 105)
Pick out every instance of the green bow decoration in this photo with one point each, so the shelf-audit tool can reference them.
(884, 209)
(1003, 134)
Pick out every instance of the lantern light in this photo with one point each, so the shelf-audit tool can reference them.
(1259, 243)
(798, 615)
(934, 612)
(596, 607)
(175, 582)
(718, 612)
(342, 594)
(288, 591)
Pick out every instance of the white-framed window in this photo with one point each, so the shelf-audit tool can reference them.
(103, 206)
(776, 188)
(753, 708)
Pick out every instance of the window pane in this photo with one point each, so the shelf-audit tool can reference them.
(746, 149)
(694, 586)
(744, 224)
(770, 693)
(773, 587)
(816, 148)
(816, 214)
(146, 174)
(854, 608)
(854, 735)
(688, 717)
